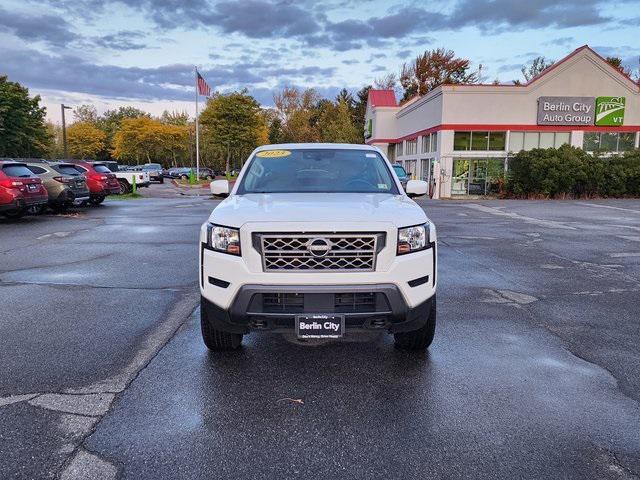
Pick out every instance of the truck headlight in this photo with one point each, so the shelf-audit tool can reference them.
(224, 239)
(413, 239)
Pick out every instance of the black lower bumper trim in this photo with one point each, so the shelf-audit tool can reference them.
(243, 316)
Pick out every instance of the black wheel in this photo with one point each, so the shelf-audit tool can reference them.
(95, 201)
(59, 207)
(217, 340)
(124, 187)
(16, 214)
(419, 339)
(184, 177)
(161, 180)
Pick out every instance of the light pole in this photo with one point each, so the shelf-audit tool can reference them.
(63, 107)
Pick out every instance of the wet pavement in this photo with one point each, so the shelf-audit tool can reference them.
(534, 371)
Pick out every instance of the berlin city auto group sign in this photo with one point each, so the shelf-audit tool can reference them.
(601, 111)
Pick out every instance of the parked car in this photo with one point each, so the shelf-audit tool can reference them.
(127, 177)
(100, 180)
(20, 189)
(402, 175)
(155, 172)
(319, 241)
(180, 172)
(206, 173)
(64, 188)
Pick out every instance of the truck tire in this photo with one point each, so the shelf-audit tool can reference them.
(124, 186)
(218, 340)
(419, 339)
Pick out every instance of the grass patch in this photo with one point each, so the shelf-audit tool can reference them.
(127, 196)
(186, 183)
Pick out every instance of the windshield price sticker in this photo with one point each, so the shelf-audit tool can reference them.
(273, 153)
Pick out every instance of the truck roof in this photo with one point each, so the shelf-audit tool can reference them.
(319, 146)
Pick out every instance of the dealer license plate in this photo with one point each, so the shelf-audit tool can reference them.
(320, 326)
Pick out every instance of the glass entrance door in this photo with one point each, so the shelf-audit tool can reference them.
(476, 176)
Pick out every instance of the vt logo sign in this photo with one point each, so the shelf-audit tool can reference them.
(610, 111)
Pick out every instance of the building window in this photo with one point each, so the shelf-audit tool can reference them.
(462, 140)
(530, 140)
(479, 141)
(426, 143)
(609, 141)
(434, 142)
(497, 140)
(399, 149)
(412, 147)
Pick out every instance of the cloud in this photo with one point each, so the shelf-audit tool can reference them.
(561, 41)
(496, 15)
(122, 40)
(51, 29)
(71, 73)
(510, 67)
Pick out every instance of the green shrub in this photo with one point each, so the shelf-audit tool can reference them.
(570, 171)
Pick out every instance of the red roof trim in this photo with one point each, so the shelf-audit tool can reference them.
(382, 98)
(504, 127)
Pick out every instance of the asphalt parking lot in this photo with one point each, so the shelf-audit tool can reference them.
(534, 372)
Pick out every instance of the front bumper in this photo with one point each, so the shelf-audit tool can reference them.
(249, 311)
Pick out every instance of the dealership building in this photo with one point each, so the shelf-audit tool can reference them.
(460, 137)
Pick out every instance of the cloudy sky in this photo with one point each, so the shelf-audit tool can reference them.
(142, 52)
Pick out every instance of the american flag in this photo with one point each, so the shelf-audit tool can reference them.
(203, 88)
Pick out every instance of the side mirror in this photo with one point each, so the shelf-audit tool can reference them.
(220, 188)
(416, 188)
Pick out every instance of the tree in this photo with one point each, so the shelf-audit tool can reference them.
(386, 82)
(360, 109)
(297, 109)
(233, 125)
(175, 118)
(85, 114)
(85, 140)
(109, 122)
(537, 66)
(23, 132)
(616, 63)
(336, 124)
(434, 68)
(144, 139)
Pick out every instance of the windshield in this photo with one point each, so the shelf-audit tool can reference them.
(68, 170)
(152, 166)
(317, 170)
(400, 170)
(17, 170)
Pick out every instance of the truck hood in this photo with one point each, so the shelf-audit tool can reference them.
(398, 210)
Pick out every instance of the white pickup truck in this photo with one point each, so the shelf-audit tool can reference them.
(321, 241)
(126, 178)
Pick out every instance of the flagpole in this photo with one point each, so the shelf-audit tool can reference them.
(197, 132)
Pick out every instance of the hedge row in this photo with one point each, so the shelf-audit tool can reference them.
(572, 172)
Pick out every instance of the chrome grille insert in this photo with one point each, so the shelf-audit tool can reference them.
(319, 251)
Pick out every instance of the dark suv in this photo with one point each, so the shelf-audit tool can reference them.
(20, 189)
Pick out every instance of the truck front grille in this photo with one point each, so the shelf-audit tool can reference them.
(319, 251)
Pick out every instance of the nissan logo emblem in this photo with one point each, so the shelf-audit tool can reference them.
(319, 247)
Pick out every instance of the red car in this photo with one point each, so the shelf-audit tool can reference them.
(100, 180)
(20, 189)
